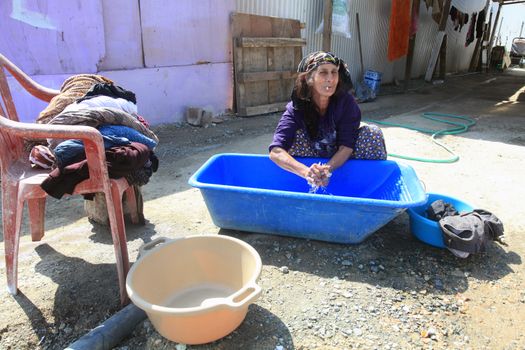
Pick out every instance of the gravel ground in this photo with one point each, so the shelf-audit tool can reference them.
(389, 292)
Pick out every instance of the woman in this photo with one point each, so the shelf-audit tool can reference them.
(323, 120)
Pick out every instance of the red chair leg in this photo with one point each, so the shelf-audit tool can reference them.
(36, 208)
(118, 232)
(131, 202)
(11, 219)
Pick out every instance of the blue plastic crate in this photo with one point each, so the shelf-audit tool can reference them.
(249, 192)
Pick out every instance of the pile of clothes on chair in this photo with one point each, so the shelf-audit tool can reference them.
(94, 100)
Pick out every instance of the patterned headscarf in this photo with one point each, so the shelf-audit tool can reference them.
(315, 59)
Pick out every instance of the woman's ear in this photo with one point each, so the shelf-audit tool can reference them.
(310, 78)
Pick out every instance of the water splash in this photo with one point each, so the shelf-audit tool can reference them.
(314, 189)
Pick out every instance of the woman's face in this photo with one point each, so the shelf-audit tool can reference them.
(324, 79)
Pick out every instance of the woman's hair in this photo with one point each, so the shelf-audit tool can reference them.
(302, 99)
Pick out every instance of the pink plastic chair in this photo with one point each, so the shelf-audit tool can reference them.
(21, 183)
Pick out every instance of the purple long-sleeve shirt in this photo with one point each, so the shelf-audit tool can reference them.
(338, 127)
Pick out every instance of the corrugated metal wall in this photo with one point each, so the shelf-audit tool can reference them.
(374, 18)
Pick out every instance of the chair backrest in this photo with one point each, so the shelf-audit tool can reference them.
(7, 106)
(11, 131)
(12, 146)
(41, 92)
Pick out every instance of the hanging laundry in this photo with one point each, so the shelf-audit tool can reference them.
(437, 8)
(480, 23)
(414, 19)
(399, 29)
(454, 14)
(459, 19)
(471, 28)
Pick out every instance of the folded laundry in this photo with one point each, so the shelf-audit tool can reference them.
(104, 101)
(109, 89)
(42, 157)
(121, 160)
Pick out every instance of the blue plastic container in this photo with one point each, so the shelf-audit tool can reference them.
(373, 80)
(251, 193)
(427, 230)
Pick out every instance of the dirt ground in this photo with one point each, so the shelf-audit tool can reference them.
(389, 292)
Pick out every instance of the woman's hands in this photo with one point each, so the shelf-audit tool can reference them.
(318, 175)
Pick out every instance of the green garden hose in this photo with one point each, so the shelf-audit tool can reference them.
(459, 127)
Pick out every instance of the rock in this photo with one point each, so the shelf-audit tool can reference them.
(198, 117)
(194, 116)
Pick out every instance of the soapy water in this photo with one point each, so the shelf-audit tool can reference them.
(315, 188)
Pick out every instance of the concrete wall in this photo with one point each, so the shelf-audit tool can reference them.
(172, 54)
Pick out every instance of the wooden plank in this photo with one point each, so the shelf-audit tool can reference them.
(257, 76)
(436, 47)
(410, 59)
(274, 86)
(411, 44)
(264, 109)
(443, 59)
(255, 60)
(249, 25)
(283, 60)
(491, 40)
(438, 41)
(238, 69)
(269, 42)
(327, 25)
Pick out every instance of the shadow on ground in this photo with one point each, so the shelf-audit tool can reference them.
(391, 257)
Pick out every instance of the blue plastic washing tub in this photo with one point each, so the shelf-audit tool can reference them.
(427, 230)
(249, 192)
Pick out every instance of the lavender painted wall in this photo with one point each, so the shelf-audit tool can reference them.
(122, 34)
(164, 93)
(186, 32)
(179, 55)
(52, 37)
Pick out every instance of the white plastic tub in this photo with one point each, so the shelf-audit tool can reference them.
(195, 289)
